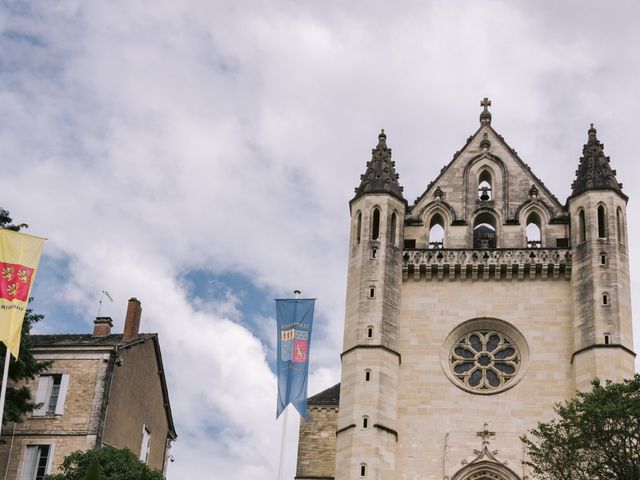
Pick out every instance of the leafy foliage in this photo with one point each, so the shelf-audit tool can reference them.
(106, 463)
(26, 367)
(596, 436)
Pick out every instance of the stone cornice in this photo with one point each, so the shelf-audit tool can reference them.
(382, 347)
(601, 345)
(496, 264)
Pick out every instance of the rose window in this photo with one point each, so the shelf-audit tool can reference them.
(484, 360)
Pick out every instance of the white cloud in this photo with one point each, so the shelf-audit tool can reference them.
(147, 139)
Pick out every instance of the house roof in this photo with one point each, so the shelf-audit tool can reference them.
(330, 396)
(85, 340)
(112, 341)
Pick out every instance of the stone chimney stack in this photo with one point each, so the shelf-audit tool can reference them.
(132, 320)
(102, 326)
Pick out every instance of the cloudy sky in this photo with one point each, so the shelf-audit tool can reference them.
(200, 155)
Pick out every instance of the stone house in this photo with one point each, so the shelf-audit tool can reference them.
(102, 389)
(470, 314)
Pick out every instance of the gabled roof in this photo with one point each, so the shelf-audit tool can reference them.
(486, 123)
(84, 340)
(594, 171)
(328, 397)
(380, 176)
(110, 342)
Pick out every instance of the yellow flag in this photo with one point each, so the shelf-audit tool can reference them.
(19, 257)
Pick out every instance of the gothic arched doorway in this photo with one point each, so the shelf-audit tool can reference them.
(485, 470)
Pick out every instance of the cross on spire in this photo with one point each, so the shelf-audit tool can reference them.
(485, 116)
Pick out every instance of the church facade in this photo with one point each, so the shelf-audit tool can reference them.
(469, 314)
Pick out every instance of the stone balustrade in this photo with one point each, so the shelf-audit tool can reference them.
(485, 264)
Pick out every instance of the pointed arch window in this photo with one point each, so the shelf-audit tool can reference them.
(534, 230)
(394, 225)
(582, 227)
(375, 224)
(484, 231)
(359, 228)
(602, 222)
(484, 186)
(436, 231)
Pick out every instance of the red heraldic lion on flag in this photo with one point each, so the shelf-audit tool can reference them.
(15, 281)
(19, 258)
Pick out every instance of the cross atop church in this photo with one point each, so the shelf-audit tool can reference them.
(485, 116)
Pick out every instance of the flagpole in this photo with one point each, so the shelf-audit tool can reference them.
(3, 392)
(283, 441)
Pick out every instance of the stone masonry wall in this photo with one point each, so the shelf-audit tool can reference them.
(317, 445)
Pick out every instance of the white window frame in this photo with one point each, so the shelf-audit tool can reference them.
(43, 394)
(28, 466)
(145, 444)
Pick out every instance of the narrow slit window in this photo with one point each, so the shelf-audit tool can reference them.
(603, 259)
(372, 292)
(365, 422)
(394, 222)
(582, 228)
(606, 339)
(619, 226)
(375, 224)
(369, 332)
(602, 223)
(359, 228)
(367, 375)
(374, 253)
(363, 470)
(605, 299)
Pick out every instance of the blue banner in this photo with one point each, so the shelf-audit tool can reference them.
(295, 319)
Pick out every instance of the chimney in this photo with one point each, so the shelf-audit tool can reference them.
(132, 320)
(102, 326)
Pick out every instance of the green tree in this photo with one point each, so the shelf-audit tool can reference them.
(596, 436)
(25, 367)
(106, 463)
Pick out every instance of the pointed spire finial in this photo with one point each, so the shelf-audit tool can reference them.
(594, 170)
(485, 115)
(380, 176)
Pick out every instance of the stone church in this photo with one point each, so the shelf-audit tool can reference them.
(469, 314)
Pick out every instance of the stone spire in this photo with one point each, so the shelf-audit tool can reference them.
(381, 176)
(594, 171)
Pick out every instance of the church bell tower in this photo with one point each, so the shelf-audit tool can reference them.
(367, 431)
(600, 277)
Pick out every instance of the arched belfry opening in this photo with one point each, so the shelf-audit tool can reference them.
(484, 231)
(533, 230)
(436, 231)
(484, 186)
